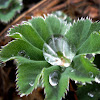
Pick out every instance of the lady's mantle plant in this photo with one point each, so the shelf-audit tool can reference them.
(49, 52)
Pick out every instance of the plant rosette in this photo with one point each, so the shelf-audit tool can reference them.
(50, 51)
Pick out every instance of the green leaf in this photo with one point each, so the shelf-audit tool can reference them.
(16, 47)
(78, 32)
(89, 92)
(55, 25)
(91, 45)
(94, 27)
(83, 66)
(28, 33)
(78, 75)
(55, 92)
(39, 24)
(28, 74)
(14, 6)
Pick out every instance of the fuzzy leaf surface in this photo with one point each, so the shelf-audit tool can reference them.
(94, 27)
(49, 26)
(28, 74)
(77, 75)
(91, 45)
(55, 26)
(55, 92)
(16, 46)
(28, 33)
(85, 67)
(39, 24)
(78, 33)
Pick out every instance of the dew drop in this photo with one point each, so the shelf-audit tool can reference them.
(54, 78)
(26, 56)
(91, 74)
(22, 53)
(31, 83)
(63, 69)
(91, 95)
(58, 51)
(90, 57)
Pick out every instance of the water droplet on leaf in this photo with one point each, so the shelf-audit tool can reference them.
(58, 51)
(22, 53)
(63, 69)
(31, 83)
(91, 95)
(90, 57)
(91, 74)
(54, 78)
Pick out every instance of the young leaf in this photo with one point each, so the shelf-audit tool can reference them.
(28, 33)
(39, 24)
(45, 28)
(78, 32)
(54, 91)
(55, 26)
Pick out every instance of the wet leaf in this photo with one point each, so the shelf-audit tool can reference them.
(58, 91)
(89, 92)
(28, 74)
